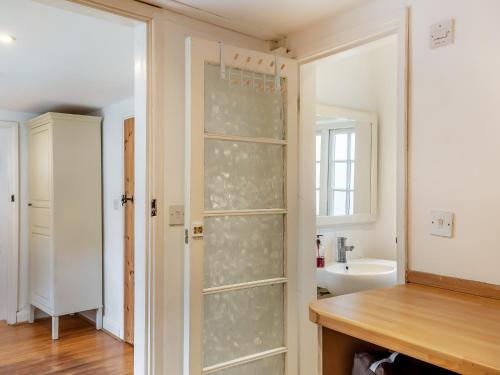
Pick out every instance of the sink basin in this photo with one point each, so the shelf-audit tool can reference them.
(357, 275)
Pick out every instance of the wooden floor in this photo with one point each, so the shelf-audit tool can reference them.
(28, 349)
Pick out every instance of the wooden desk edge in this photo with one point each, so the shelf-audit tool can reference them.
(451, 362)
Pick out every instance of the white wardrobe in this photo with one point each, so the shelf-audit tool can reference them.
(65, 202)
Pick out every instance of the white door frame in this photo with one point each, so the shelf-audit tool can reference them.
(13, 255)
(358, 35)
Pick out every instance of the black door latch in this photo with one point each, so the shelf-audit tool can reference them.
(126, 199)
(154, 209)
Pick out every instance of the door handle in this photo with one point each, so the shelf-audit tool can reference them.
(126, 199)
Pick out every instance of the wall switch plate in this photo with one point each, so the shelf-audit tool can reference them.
(442, 223)
(176, 215)
(442, 33)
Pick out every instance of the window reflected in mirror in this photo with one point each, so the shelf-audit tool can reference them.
(345, 163)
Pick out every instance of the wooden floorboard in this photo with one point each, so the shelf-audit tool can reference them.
(28, 349)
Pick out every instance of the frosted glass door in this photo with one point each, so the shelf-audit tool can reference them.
(239, 294)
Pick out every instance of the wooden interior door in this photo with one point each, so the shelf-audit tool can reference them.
(128, 202)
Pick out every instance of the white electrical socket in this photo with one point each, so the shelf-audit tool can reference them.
(442, 223)
(442, 33)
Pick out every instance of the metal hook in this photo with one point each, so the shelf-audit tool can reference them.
(277, 79)
(222, 65)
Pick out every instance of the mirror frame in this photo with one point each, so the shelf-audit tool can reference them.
(365, 117)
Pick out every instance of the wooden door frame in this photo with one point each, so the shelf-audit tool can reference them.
(127, 335)
(13, 255)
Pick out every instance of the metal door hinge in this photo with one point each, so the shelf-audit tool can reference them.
(186, 236)
(154, 210)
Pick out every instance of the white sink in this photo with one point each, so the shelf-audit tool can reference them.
(357, 275)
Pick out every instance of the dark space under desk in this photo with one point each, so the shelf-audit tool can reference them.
(453, 330)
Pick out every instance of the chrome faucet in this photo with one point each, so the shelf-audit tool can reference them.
(342, 248)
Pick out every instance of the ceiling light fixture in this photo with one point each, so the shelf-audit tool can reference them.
(7, 39)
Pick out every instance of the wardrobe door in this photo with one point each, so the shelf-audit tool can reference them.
(40, 191)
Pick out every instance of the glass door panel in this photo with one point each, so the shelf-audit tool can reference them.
(242, 322)
(243, 175)
(240, 249)
(246, 103)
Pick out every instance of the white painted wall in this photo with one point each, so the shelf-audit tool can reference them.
(454, 140)
(5, 216)
(21, 117)
(366, 79)
(454, 129)
(113, 220)
(170, 36)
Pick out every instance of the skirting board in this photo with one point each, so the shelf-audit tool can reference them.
(112, 327)
(452, 283)
(23, 315)
(108, 325)
(88, 315)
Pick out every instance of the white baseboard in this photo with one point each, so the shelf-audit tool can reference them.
(89, 315)
(22, 316)
(108, 324)
(112, 326)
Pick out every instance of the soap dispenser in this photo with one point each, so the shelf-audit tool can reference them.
(320, 252)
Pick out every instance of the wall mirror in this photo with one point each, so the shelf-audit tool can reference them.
(346, 166)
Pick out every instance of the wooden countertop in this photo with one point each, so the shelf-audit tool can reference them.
(453, 330)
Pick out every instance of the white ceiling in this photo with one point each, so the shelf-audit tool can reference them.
(264, 19)
(63, 61)
(71, 61)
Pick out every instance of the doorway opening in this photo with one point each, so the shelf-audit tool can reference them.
(355, 116)
(354, 161)
(101, 81)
